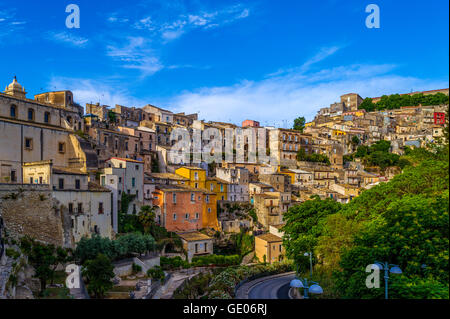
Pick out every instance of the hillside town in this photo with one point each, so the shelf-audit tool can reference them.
(71, 172)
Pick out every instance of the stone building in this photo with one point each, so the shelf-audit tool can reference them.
(32, 131)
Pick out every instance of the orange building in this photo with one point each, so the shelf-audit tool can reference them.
(179, 207)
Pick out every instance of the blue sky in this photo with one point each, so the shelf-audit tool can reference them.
(229, 60)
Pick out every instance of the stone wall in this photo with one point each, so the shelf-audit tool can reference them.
(32, 211)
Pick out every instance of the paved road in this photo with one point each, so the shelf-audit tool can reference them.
(275, 288)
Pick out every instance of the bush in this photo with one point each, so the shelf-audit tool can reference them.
(124, 246)
(173, 263)
(156, 273)
(12, 253)
(216, 260)
(136, 268)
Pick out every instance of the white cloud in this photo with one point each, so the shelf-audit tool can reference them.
(105, 91)
(68, 38)
(136, 54)
(278, 100)
(188, 21)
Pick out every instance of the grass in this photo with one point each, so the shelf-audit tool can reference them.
(55, 293)
(60, 277)
(122, 289)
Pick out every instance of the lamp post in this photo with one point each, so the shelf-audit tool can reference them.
(306, 285)
(388, 268)
(308, 288)
(310, 262)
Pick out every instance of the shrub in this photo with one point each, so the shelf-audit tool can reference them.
(136, 268)
(156, 273)
(10, 252)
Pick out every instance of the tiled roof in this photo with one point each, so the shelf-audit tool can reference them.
(270, 238)
(194, 236)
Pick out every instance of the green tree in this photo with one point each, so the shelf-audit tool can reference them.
(299, 124)
(355, 140)
(413, 231)
(99, 274)
(304, 225)
(43, 258)
(147, 217)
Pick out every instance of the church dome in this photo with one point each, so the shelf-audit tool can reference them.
(15, 89)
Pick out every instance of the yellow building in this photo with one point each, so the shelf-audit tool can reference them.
(195, 175)
(290, 173)
(209, 216)
(269, 248)
(218, 186)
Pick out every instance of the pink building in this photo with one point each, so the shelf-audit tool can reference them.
(250, 123)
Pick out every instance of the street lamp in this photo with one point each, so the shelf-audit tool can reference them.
(303, 283)
(388, 268)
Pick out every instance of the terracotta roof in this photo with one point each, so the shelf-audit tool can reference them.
(270, 238)
(194, 236)
(67, 171)
(166, 176)
(217, 180)
(126, 160)
(179, 188)
(94, 187)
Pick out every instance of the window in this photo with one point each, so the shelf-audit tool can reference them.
(80, 208)
(13, 176)
(197, 215)
(61, 148)
(77, 184)
(31, 180)
(47, 117)
(126, 146)
(174, 216)
(196, 248)
(30, 115)
(221, 187)
(209, 210)
(196, 176)
(100, 208)
(61, 183)
(212, 187)
(186, 216)
(13, 111)
(174, 198)
(207, 198)
(133, 182)
(196, 185)
(192, 197)
(120, 179)
(70, 208)
(28, 143)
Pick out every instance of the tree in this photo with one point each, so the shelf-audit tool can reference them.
(147, 218)
(99, 274)
(299, 124)
(413, 231)
(43, 258)
(355, 140)
(304, 225)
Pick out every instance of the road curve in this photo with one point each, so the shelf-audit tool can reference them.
(271, 287)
